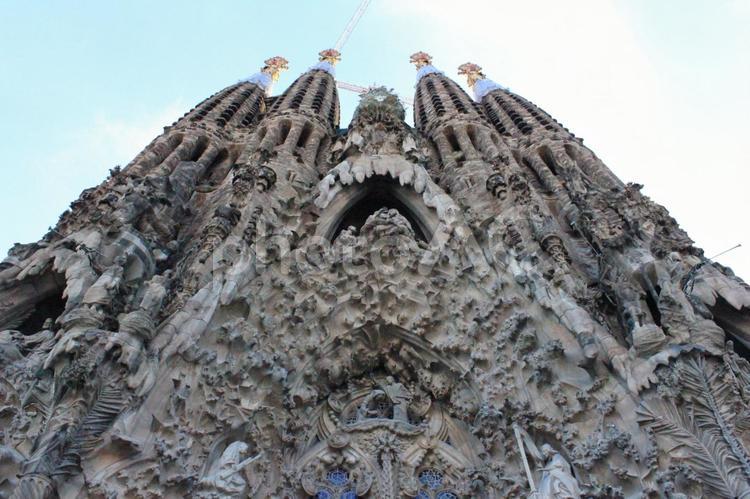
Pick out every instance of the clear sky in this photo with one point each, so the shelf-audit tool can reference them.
(660, 90)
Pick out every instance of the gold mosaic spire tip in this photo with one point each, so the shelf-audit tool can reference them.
(473, 72)
(274, 66)
(420, 59)
(329, 55)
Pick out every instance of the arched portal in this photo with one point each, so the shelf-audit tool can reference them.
(353, 205)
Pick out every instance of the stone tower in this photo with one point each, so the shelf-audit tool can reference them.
(263, 304)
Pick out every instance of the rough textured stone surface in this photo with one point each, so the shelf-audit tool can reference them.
(264, 305)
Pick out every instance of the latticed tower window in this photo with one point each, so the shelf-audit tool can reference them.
(340, 486)
(432, 481)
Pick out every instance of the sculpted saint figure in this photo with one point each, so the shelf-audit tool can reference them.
(399, 396)
(156, 291)
(103, 291)
(557, 480)
(79, 275)
(225, 478)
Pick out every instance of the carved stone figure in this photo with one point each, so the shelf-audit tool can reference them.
(79, 275)
(102, 293)
(155, 293)
(557, 480)
(399, 397)
(226, 478)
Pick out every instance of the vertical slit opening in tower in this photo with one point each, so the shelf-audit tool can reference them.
(472, 133)
(286, 125)
(213, 174)
(452, 140)
(200, 148)
(304, 135)
(320, 147)
(546, 156)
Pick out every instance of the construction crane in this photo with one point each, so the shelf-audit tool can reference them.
(344, 37)
(358, 89)
(352, 24)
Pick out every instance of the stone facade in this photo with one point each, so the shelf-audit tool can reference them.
(262, 304)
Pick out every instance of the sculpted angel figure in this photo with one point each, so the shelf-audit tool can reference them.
(225, 478)
(557, 480)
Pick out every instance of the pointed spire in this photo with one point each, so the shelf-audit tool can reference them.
(423, 63)
(269, 73)
(477, 81)
(328, 59)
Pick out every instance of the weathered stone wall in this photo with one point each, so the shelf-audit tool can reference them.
(261, 306)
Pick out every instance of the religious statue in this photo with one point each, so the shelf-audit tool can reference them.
(102, 293)
(79, 275)
(156, 291)
(557, 480)
(399, 397)
(225, 478)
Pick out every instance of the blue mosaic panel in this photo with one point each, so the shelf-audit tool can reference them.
(338, 477)
(432, 479)
(324, 494)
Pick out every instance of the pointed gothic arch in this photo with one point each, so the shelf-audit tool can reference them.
(354, 204)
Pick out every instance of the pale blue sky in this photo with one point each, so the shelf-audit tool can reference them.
(659, 89)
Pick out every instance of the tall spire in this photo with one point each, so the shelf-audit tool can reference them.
(423, 63)
(476, 80)
(269, 73)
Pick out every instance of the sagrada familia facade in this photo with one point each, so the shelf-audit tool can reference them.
(263, 304)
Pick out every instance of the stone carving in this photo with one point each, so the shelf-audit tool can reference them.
(557, 480)
(225, 479)
(378, 310)
(224, 219)
(79, 275)
(497, 186)
(103, 292)
(155, 293)
(266, 179)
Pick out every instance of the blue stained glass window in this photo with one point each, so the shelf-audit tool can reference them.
(349, 494)
(431, 479)
(324, 494)
(423, 495)
(446, 495)
(338, 477)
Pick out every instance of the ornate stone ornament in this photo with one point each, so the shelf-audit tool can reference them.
(264, 305)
